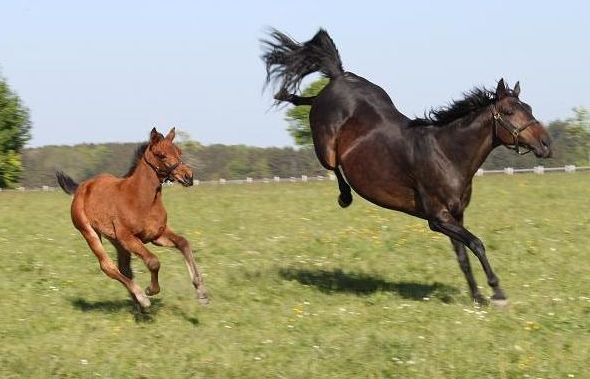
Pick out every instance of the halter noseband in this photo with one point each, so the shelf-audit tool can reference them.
(163, 174)
(511, 128)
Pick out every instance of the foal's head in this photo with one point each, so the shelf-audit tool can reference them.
(164, 157)
(514, 123)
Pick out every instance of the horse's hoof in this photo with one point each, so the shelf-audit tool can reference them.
(143, 301)
(480, 300)
(344, 200)
(500, 303)
(150, 292)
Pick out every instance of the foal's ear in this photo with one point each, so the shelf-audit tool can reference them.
(501, 89)
(516, 89)
(155, 136)
(171, 134)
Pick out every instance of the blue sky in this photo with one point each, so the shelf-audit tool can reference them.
(110, 70)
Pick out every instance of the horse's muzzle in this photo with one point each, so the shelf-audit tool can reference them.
(543, 150)
(187, 181)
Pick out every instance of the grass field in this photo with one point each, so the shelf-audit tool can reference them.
(303, 289)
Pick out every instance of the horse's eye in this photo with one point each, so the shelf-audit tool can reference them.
(160, 156)
(509, 113)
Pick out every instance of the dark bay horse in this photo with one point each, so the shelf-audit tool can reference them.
(129, 212)
(422, 167)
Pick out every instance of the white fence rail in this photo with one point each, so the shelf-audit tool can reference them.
(538, 170)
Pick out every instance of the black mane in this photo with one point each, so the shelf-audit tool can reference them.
(136, 158)
(473, 101)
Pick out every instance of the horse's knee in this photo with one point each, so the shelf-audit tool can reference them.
(477, 247)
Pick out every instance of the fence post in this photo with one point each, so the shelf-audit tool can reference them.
(248, 180)
(277, 179)
(570, 168)
(304, 178)
(539, 170)
(479, 172)
(222, 181)
(509, 171)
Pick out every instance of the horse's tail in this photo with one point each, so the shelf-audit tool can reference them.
(288, 61)
(66, 183)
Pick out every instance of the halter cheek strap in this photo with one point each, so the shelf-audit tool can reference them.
(512, 129)
(163, 174)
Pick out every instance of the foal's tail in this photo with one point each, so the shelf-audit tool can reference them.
(66, 183)
(288, 61)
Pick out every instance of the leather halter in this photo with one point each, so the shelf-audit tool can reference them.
(163, 174)
(512, 129)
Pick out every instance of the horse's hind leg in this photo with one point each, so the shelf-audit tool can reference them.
(109, 268)
(171, 239)
(123, 260)
(345, 198)
(134, 245)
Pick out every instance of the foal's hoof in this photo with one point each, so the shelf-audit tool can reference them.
(202, 298)
(143, 301)
(344, 200)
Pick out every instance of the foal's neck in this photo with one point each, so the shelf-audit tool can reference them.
(145, 181)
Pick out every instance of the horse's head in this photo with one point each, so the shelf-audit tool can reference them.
(514, 123)
(165, 158)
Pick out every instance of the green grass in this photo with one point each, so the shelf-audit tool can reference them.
(303, 289)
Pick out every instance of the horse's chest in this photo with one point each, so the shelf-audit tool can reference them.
(154, 225)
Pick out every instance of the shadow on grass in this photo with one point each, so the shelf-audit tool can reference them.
(361, 284)
(117, 306)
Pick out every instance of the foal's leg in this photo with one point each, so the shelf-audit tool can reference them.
(445, 223)
(123, 260)
(109, 268)
(171, 239)
(345, 198)
(135, 246)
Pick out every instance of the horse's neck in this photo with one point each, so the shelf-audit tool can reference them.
(470, 142)
(144, 183)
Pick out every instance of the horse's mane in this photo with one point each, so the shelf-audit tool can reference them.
(136, 158)
(472, 101)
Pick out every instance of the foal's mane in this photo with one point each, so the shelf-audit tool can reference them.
(472, 101)
(139, 151)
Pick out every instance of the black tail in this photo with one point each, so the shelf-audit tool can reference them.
(288, 61)
(66, 183)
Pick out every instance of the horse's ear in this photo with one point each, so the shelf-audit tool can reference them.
(501, 89)
(516, 90)
(171, 134)
(155, 136)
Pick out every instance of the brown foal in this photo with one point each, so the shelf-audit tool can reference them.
(129, 212)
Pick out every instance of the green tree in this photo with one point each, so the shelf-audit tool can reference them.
(15, 131)
(298, 117)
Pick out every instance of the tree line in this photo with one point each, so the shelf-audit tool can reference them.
(211, 162)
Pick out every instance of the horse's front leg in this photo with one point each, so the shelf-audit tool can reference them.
(445, 223)
(171, 239)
